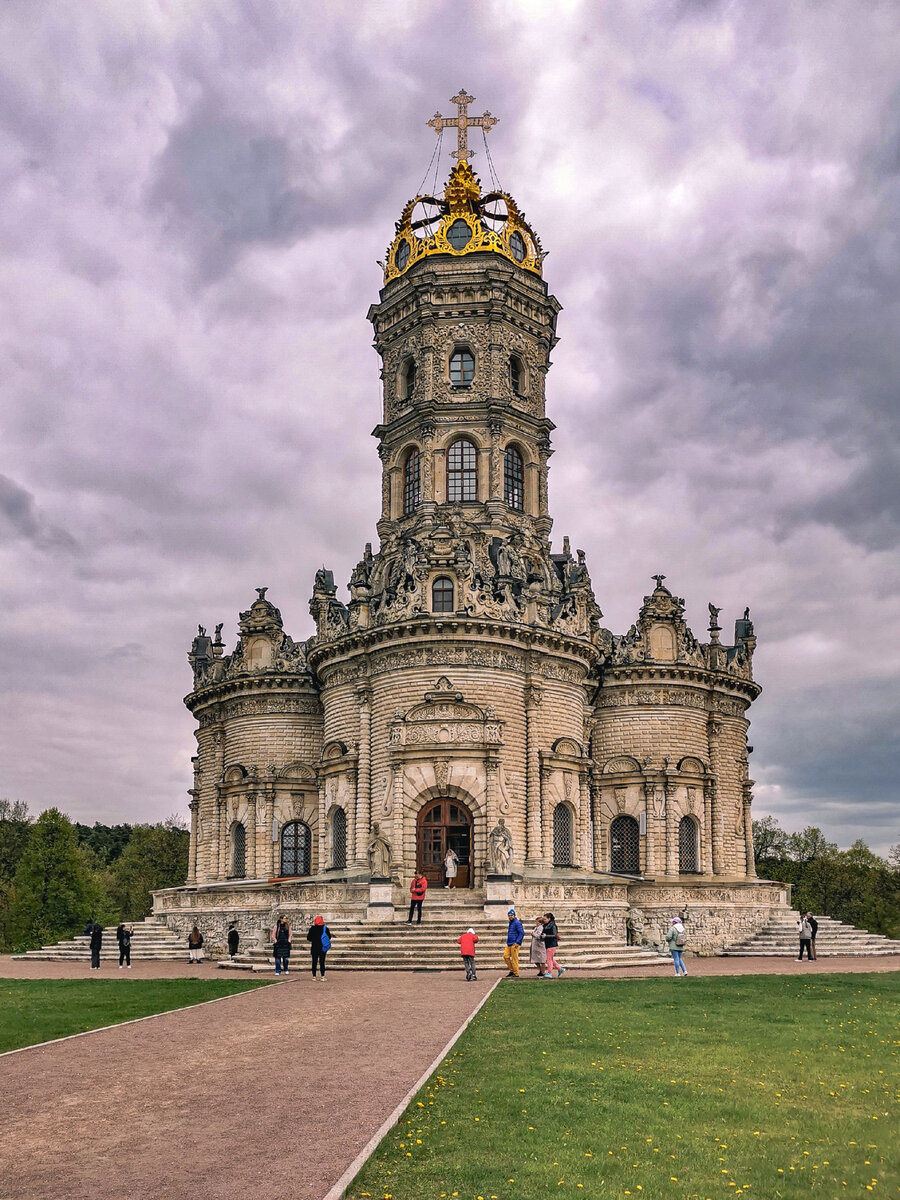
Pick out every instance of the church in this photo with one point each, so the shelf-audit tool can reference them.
(462, 695)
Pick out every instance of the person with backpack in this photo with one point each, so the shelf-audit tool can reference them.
(319, 937)
(676, 941)
(282, 936)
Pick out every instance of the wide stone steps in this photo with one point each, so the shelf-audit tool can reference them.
(779, 938)
(149, 942)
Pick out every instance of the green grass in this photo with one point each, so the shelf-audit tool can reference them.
(36, 1010)
(766, 1086)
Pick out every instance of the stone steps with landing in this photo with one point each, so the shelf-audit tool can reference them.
(779, 937)
(151, 941)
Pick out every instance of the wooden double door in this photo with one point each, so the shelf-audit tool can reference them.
(444, 825)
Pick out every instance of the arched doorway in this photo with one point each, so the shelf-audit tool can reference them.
(444, 825)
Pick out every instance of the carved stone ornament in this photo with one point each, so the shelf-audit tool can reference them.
(501, 845)
(379, 854)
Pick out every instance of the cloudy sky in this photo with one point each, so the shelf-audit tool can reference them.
(194, 199)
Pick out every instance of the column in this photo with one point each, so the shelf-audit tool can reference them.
(671, 831)
(533, 823)
(192, 849)
(585, 846)
(748, 829)
(363, 773)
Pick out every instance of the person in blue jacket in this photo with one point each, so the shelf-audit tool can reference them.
(515, 935)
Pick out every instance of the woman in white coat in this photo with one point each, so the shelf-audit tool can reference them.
(451, 866)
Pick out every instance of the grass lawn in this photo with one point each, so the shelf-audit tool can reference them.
(767, 1086)
(36, 1010)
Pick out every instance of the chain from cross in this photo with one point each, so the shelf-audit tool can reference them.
(462, 123)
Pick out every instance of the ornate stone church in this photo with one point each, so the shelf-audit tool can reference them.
(463, 694)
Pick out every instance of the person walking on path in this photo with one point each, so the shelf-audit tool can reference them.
(515, 935)
(319, 937)
(234, 939)
(123, 937)
(195, 946)
(96, 945)
(282, 936)
(417, 890)
(814, 929)
(451, 866)
(805, 930)
(551, 941)
(537, 955)
(466, 942)
(675, 940)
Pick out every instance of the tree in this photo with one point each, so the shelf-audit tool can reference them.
(156, 857)
(769, 840)
(106, 841)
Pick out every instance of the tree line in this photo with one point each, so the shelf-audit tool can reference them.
(56, 874)
(855, 885)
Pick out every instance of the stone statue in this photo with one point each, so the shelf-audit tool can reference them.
(201, 632)
(746, 614)
(501, 848)
(634, 927)
(713, 615)
(379, 855)
(219, 634)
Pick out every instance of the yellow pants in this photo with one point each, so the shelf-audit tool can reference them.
(511, 958)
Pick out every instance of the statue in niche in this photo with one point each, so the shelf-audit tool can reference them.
(635, 928)
(379, 852)
(501, 848)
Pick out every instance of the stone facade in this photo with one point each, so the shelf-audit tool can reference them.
(464, 695)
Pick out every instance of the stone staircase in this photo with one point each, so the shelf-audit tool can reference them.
(431, 946)
(780, 939)
(151, 941)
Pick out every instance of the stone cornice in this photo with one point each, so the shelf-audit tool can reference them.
(268, 681)
(673, 673)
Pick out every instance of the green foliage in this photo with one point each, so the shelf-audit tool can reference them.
(106, 841)
(156, 857)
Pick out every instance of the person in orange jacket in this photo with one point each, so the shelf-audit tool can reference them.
(467, 950)
(417, 890)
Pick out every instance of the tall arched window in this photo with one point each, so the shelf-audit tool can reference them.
(513, 479)
(562, 836)
(625, 846)
(462, 471)
(339, 838)
(462, 368)
(688, 848)
(516, 374)
(442, 595)
(408, 386)
(296, 849)
(238, 851)
(412, 486)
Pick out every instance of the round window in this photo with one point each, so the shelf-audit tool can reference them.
(459, 234)
(517, 246)
(401, 258)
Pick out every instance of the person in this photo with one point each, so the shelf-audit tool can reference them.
(319, 937)
(466, 942)
(675, 940)
(417, 890)
(551, 941)
(96, 945)
(88, 929)
(195, 946)
(234, 939)
(451, 866)
(814, 929)
(515, 935)
(537, 955)
(123, 937)
(282, 936)
(805, 930)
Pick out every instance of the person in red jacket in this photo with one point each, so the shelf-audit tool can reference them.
(417, 890)
(467, 949)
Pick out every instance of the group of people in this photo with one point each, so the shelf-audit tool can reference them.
(542, 952)
(319, 937)
(94, 930)
(807, 927)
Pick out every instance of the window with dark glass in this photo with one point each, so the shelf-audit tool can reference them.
(402, 256)
(339, 838)
(459, 234)
(409, 378)
(296, 849)
(515, 375)
(562, 836)
(513, 478)
(412, 489)
(517, 246)
(442, 595)
(462, 472)
(238, 851)
(462, 368)
(687, 846)
(625, 846)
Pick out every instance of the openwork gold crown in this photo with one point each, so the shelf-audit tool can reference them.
(463, 222)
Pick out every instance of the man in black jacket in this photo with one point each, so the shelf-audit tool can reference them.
(96, 945)
(814, 925)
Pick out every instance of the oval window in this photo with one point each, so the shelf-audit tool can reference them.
(517, 246)
(459, 234)
(401, 258)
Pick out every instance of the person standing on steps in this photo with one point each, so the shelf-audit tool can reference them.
(675, 940)
(96, 945)
(195, 946)
(123, 937)
(466, 942)
(805, 931)
(234, 939)
(451, 866)
(813, 930)
(515, 935)
(282, 936)
(538, 954)
(551, 941)
(417, 890)
(319, 937)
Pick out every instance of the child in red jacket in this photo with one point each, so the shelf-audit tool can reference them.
(467, 950)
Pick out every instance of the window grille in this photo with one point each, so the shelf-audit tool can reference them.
(462, 472)
(625, 846)
(462, 368)
(513, 479)
(412, 486)
(517, 246)
(442, 595)
(688, 857)
(238, 851)
(296, 849)
(339, 838)
(409, 379)
(515, 375)
(459, 234)
(562, 836)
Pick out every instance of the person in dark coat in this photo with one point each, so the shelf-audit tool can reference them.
(88, 929)
(319, 937)
(96, 945)
(234, 939)
(814, 929)
(123, 937)
(195, 946)
(282, 936)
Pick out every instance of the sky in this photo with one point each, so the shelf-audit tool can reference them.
(194, 199)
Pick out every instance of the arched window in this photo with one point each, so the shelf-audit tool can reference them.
(688, 849)
(516, 374)
(408, 383)
(562, 836)
(462, 368)
(339, 838)
(442, 595)
(462, 472)
(513, 479)
(296, 849)
(238, 851)
(625, 846)
(412, 486)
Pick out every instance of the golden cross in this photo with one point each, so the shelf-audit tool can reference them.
(462, 121)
